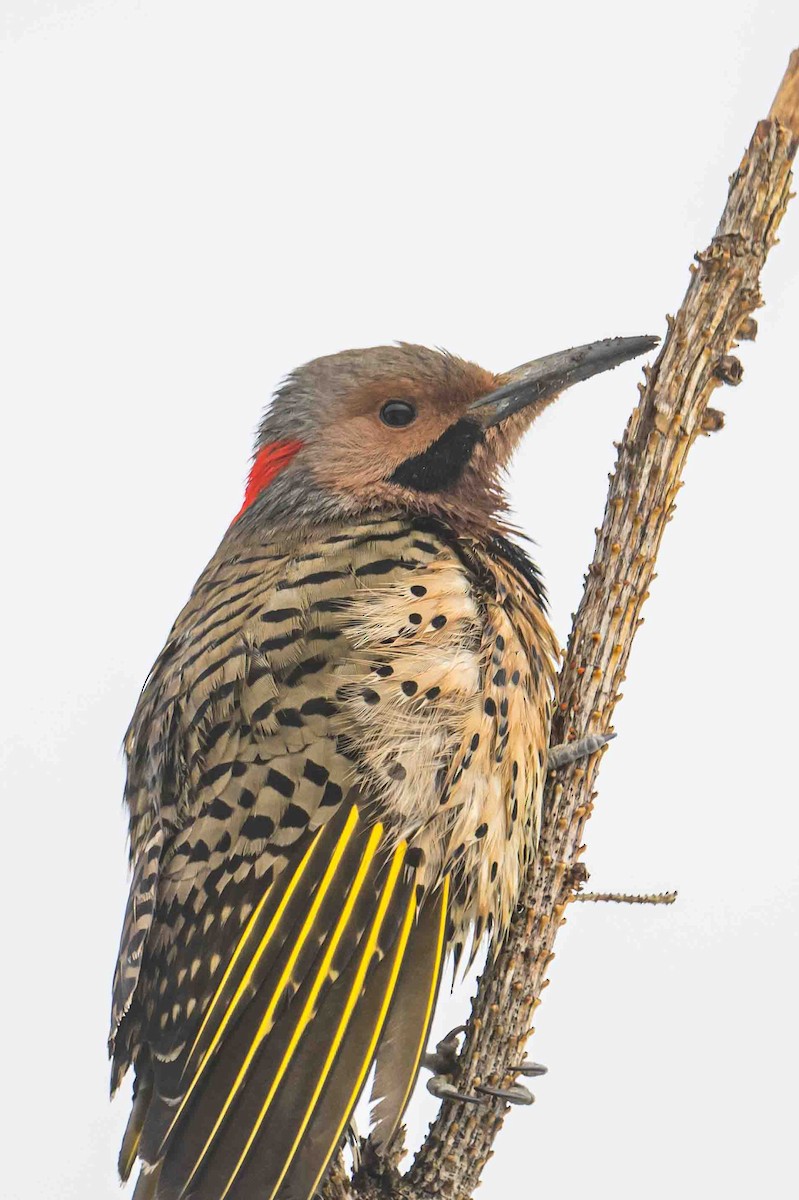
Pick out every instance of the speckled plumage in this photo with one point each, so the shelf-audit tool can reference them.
(334, 775)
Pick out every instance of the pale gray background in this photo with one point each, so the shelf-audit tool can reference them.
(198, 196)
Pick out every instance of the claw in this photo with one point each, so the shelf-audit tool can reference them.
(529, 1069)
(517, 1094)
(440, 1087)
(450, 1040)
(569, 752)
(444, 1060)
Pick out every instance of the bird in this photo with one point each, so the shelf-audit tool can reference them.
(334, 769)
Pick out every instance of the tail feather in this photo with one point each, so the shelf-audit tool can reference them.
(131, 1139)
(408, 1026)
(350, 1056)
(146, 1184)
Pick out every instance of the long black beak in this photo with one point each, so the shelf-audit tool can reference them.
(544, 378)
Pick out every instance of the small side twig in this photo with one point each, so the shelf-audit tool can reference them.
(625, 898)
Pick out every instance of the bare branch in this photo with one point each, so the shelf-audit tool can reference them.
(673, 411)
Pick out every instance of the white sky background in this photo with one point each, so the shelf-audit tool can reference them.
(199, 196)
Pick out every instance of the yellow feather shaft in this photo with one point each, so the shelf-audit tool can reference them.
(442, 927)
(292, 887)
(308, 1011)
(126, 1164)
(265, 940)
(267, 1019)
(352, 1000)
(368, 1058)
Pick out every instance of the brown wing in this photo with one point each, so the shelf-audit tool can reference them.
(263, 1095)
(252, 994)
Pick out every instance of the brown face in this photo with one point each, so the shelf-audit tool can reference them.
(402, 433)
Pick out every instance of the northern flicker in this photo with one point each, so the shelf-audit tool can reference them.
(334, 770)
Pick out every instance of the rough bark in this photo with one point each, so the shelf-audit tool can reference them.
(673, 410)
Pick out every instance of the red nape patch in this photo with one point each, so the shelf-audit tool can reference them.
(269, 462)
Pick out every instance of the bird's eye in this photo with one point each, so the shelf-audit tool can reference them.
(397, 413)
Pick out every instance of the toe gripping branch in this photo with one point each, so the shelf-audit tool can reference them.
(443, 1062)
(569, 752)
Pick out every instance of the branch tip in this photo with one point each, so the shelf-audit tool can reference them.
(785, 107)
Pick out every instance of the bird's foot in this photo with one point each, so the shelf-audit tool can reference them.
(530, 1069)
(443, 1089)
(517, 1094)
(444, 1059)
(444, 1064)
(569, 752)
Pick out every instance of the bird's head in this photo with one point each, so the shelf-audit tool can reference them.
(405, 428)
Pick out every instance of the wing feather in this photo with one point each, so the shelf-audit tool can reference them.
(281, 1056)
(204, 1096)
(366, 991)
(405, 1037)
